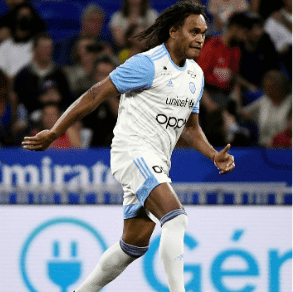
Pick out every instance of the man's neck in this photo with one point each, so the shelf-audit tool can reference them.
(134, 9)
(277, 101)
(175, 54)
(43, 65)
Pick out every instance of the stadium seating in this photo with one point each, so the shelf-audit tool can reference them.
(3, 7)
(161, 5)
(64, 15)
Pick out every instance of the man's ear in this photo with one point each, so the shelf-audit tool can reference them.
(173, 32)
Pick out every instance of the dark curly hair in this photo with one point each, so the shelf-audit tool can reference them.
(173, 16)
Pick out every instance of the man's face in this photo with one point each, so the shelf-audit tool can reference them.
(44, 49)
(239, 36)
(92, 24)
(255, 33)
(270, 87)
(191, 36)
(50, 116)
(83, 53)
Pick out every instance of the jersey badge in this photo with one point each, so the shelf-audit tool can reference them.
(165, 72)
(192, 87)
(192, 74)
(170, 83)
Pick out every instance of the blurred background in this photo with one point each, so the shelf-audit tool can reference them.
(60, 209)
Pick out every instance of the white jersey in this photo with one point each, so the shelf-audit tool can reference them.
(156, 102)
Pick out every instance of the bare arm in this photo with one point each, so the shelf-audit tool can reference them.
(89, 101)
(195, 137)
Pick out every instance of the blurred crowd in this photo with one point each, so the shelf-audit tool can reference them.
(50, 55)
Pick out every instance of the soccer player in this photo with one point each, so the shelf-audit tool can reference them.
(160, 89)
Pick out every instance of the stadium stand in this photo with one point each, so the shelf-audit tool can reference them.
(3, 8)
(62, 18)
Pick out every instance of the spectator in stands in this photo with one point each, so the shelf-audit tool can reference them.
(270, 111)
(284, 138)
(259, 53)
(224, 128)
(16, 51)
(103, 119)
(7, 113)
(91, 24)
(85, 54)
(49, 115)
(80, 73)
(7, 21)
(232, 131)
(219, 60)
(222, 10)
(265, 7)
(279, 28)
(39, 75)
(132, 12)
(133, 45)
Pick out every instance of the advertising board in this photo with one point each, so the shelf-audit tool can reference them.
(85, 177)
(227, 249)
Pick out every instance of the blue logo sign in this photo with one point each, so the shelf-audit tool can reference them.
(57, 269)
(218, 272)
(192, 87)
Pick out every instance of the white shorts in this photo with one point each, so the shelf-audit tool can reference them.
(139, 172)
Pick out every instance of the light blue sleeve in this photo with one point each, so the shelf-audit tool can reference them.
(196, 107)
(136, 73)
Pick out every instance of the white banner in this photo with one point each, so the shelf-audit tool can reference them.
(227, 249)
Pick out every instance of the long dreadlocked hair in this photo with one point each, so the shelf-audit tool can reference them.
(172, 16)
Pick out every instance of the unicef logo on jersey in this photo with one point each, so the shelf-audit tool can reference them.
(192, 87)
(59, 254)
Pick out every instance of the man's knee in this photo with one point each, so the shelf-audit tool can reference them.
(132, 250)
(176, 218)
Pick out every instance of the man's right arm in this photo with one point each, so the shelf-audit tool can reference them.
(88, 102)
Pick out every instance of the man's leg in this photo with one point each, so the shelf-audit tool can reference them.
(165, 205)
(134, 243)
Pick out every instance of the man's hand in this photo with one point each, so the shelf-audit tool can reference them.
(39, 142)
(224, 161)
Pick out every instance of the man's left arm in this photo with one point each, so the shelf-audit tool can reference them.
(195, 137)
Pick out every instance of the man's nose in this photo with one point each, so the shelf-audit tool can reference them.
(200, 38)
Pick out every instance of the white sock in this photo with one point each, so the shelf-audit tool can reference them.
(112, 263)
(171, 251)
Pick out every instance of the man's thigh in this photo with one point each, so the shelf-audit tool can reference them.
(162, 200)
(137, 231)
